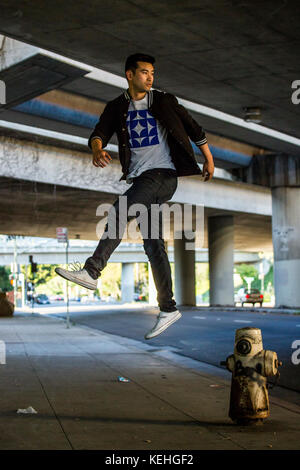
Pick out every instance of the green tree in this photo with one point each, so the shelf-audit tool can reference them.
(247, 270)
(202, 281)
(111, 280)
(269, 277)
(5, 284)
(141, 280)
(45, 272)
(45, 280)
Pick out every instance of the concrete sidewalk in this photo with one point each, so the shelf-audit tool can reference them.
(70, 377)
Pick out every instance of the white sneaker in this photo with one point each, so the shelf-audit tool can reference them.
(164, 320)
(79, 276)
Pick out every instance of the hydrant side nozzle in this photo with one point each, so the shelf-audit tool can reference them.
(271, 363)
(229, 363)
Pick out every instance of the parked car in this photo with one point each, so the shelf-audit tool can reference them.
(139, 297)
(252, 296)
(56, 298)
(42, 299)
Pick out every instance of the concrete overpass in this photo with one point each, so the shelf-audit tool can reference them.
(258, 163)
(43, 200)
(50, 251)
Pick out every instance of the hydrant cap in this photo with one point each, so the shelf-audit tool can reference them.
(249, 331)
(248, 341)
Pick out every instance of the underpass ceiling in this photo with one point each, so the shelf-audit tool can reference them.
(225, 54)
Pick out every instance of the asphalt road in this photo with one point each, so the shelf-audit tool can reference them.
(205, 335)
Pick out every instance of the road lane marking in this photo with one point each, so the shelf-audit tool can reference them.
(242, 321)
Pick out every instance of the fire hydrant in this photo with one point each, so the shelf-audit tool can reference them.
(250, 366)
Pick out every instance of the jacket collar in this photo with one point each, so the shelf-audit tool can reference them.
(149, 93)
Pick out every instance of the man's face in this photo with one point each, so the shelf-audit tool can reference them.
(142, 79)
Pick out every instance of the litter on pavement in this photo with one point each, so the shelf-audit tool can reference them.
(27, 411)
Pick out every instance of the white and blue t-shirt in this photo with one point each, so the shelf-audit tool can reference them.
(147, 139)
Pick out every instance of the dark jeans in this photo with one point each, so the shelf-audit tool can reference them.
(151, 187)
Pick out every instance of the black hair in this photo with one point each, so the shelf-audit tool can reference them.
(132, 60)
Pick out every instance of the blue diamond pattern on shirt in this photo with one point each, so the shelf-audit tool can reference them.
(142, 129)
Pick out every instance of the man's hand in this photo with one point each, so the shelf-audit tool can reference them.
(208, 170)
(208, 166)
(101, 158)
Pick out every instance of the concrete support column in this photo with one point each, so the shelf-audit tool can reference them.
(127, 282)
(286, 236)
(185, 282)
(281, 172)
(221, 263)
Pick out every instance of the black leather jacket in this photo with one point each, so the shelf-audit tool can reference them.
(174, 117)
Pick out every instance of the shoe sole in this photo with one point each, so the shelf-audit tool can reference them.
(71, 278)
(164, 327)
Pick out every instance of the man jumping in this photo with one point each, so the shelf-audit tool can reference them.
(153, 133)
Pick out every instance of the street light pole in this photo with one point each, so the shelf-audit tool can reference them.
(62, 237)
(15, 270)
(67, 261)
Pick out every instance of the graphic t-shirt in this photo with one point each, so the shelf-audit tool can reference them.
(147, 140)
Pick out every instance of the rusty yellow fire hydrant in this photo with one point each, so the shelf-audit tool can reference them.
(250, 366)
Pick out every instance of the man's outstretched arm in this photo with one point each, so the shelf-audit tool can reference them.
(197, 135)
